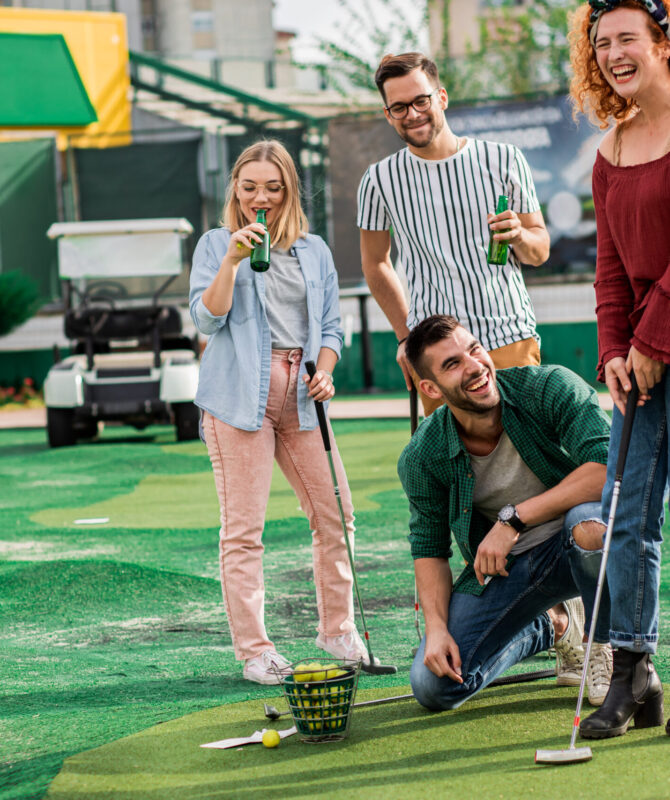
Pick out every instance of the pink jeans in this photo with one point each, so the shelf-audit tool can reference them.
(242, 462)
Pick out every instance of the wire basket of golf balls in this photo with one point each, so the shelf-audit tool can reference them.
(320, 697)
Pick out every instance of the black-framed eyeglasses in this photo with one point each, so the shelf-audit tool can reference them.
(420, 103)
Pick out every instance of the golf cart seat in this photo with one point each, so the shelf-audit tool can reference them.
(101, 325)
(104, 324)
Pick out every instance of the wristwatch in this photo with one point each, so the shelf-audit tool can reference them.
(508, 516)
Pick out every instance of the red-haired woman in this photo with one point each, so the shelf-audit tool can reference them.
(620, 57)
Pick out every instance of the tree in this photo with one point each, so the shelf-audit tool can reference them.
(372, 29)
(521, 49)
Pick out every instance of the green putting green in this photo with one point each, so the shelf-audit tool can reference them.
(484, 749)
(113, 628)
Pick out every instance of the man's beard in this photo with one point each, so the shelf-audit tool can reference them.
(459, 398)
(427, 139)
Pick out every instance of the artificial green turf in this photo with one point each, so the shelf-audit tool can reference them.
(113, 628)
(484, 749)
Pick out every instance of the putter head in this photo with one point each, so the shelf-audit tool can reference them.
(270, 711)
(570, 756)
(379, 669)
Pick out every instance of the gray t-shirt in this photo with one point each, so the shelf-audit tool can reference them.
(503, 477)
(286, 301)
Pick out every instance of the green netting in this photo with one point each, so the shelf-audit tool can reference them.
(41, 84)
(139, 181)
(27, 209)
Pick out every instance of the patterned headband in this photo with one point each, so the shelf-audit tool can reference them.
(653, 7)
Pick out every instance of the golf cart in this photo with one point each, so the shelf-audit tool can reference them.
(130, 361)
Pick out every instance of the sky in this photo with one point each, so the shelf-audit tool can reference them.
(313, 18)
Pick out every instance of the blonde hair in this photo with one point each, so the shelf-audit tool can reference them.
(291, 222)
(590, 93)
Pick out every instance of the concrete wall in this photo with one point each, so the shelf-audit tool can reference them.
(239, 30)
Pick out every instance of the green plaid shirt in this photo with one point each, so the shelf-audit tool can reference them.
(556, 424)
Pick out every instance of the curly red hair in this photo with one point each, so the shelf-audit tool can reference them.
(589, 91)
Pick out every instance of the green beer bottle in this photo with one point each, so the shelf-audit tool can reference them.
(260, 255)
(498, 250)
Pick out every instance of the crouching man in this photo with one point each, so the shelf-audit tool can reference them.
(513, 466)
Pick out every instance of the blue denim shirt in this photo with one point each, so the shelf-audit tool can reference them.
(235, 369)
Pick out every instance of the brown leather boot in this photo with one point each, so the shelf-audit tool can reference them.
(635, 693)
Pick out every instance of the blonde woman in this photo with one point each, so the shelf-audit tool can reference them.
(621, 62)
(257, 400)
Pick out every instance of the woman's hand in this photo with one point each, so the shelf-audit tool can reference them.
(648, 372)
(618, 382)
(321, 386)
(243, 241)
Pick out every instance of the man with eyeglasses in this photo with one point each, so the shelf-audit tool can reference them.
(438, 195)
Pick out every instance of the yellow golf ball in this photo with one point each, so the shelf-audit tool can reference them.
(271, 738)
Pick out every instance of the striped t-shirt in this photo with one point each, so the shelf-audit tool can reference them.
(437, 210)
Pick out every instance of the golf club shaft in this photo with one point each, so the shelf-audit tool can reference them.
(506, 680)
(413, 425)
(596, 609)
(631, 405)
(378, 702)
(323, 425)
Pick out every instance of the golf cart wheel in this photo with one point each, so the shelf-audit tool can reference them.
(60, 427)
(186, 421)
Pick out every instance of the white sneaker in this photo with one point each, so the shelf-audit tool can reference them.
(345, 645)
(569, 648)
(599, 672)
(263, 668)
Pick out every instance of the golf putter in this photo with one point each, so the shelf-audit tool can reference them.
(372, 668)
(573, 754)
(413, 425)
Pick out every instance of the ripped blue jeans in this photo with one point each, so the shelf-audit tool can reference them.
(508, 622)
(634, 566)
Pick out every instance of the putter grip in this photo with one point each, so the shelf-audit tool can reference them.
(629, 416)
(310, 366)
(413, 408)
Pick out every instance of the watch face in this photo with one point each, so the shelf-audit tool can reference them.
(506, 513)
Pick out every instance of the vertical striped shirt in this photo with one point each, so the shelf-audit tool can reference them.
(437, 210)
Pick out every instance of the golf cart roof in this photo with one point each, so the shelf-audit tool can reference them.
(120, 226)
(120, 248)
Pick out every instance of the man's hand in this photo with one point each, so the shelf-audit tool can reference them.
(403, 363)
(505, 227)
(493, 550)
(442, 656)
(525, 232)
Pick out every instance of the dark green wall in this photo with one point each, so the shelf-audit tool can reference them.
(17, 365)
(573, 344)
